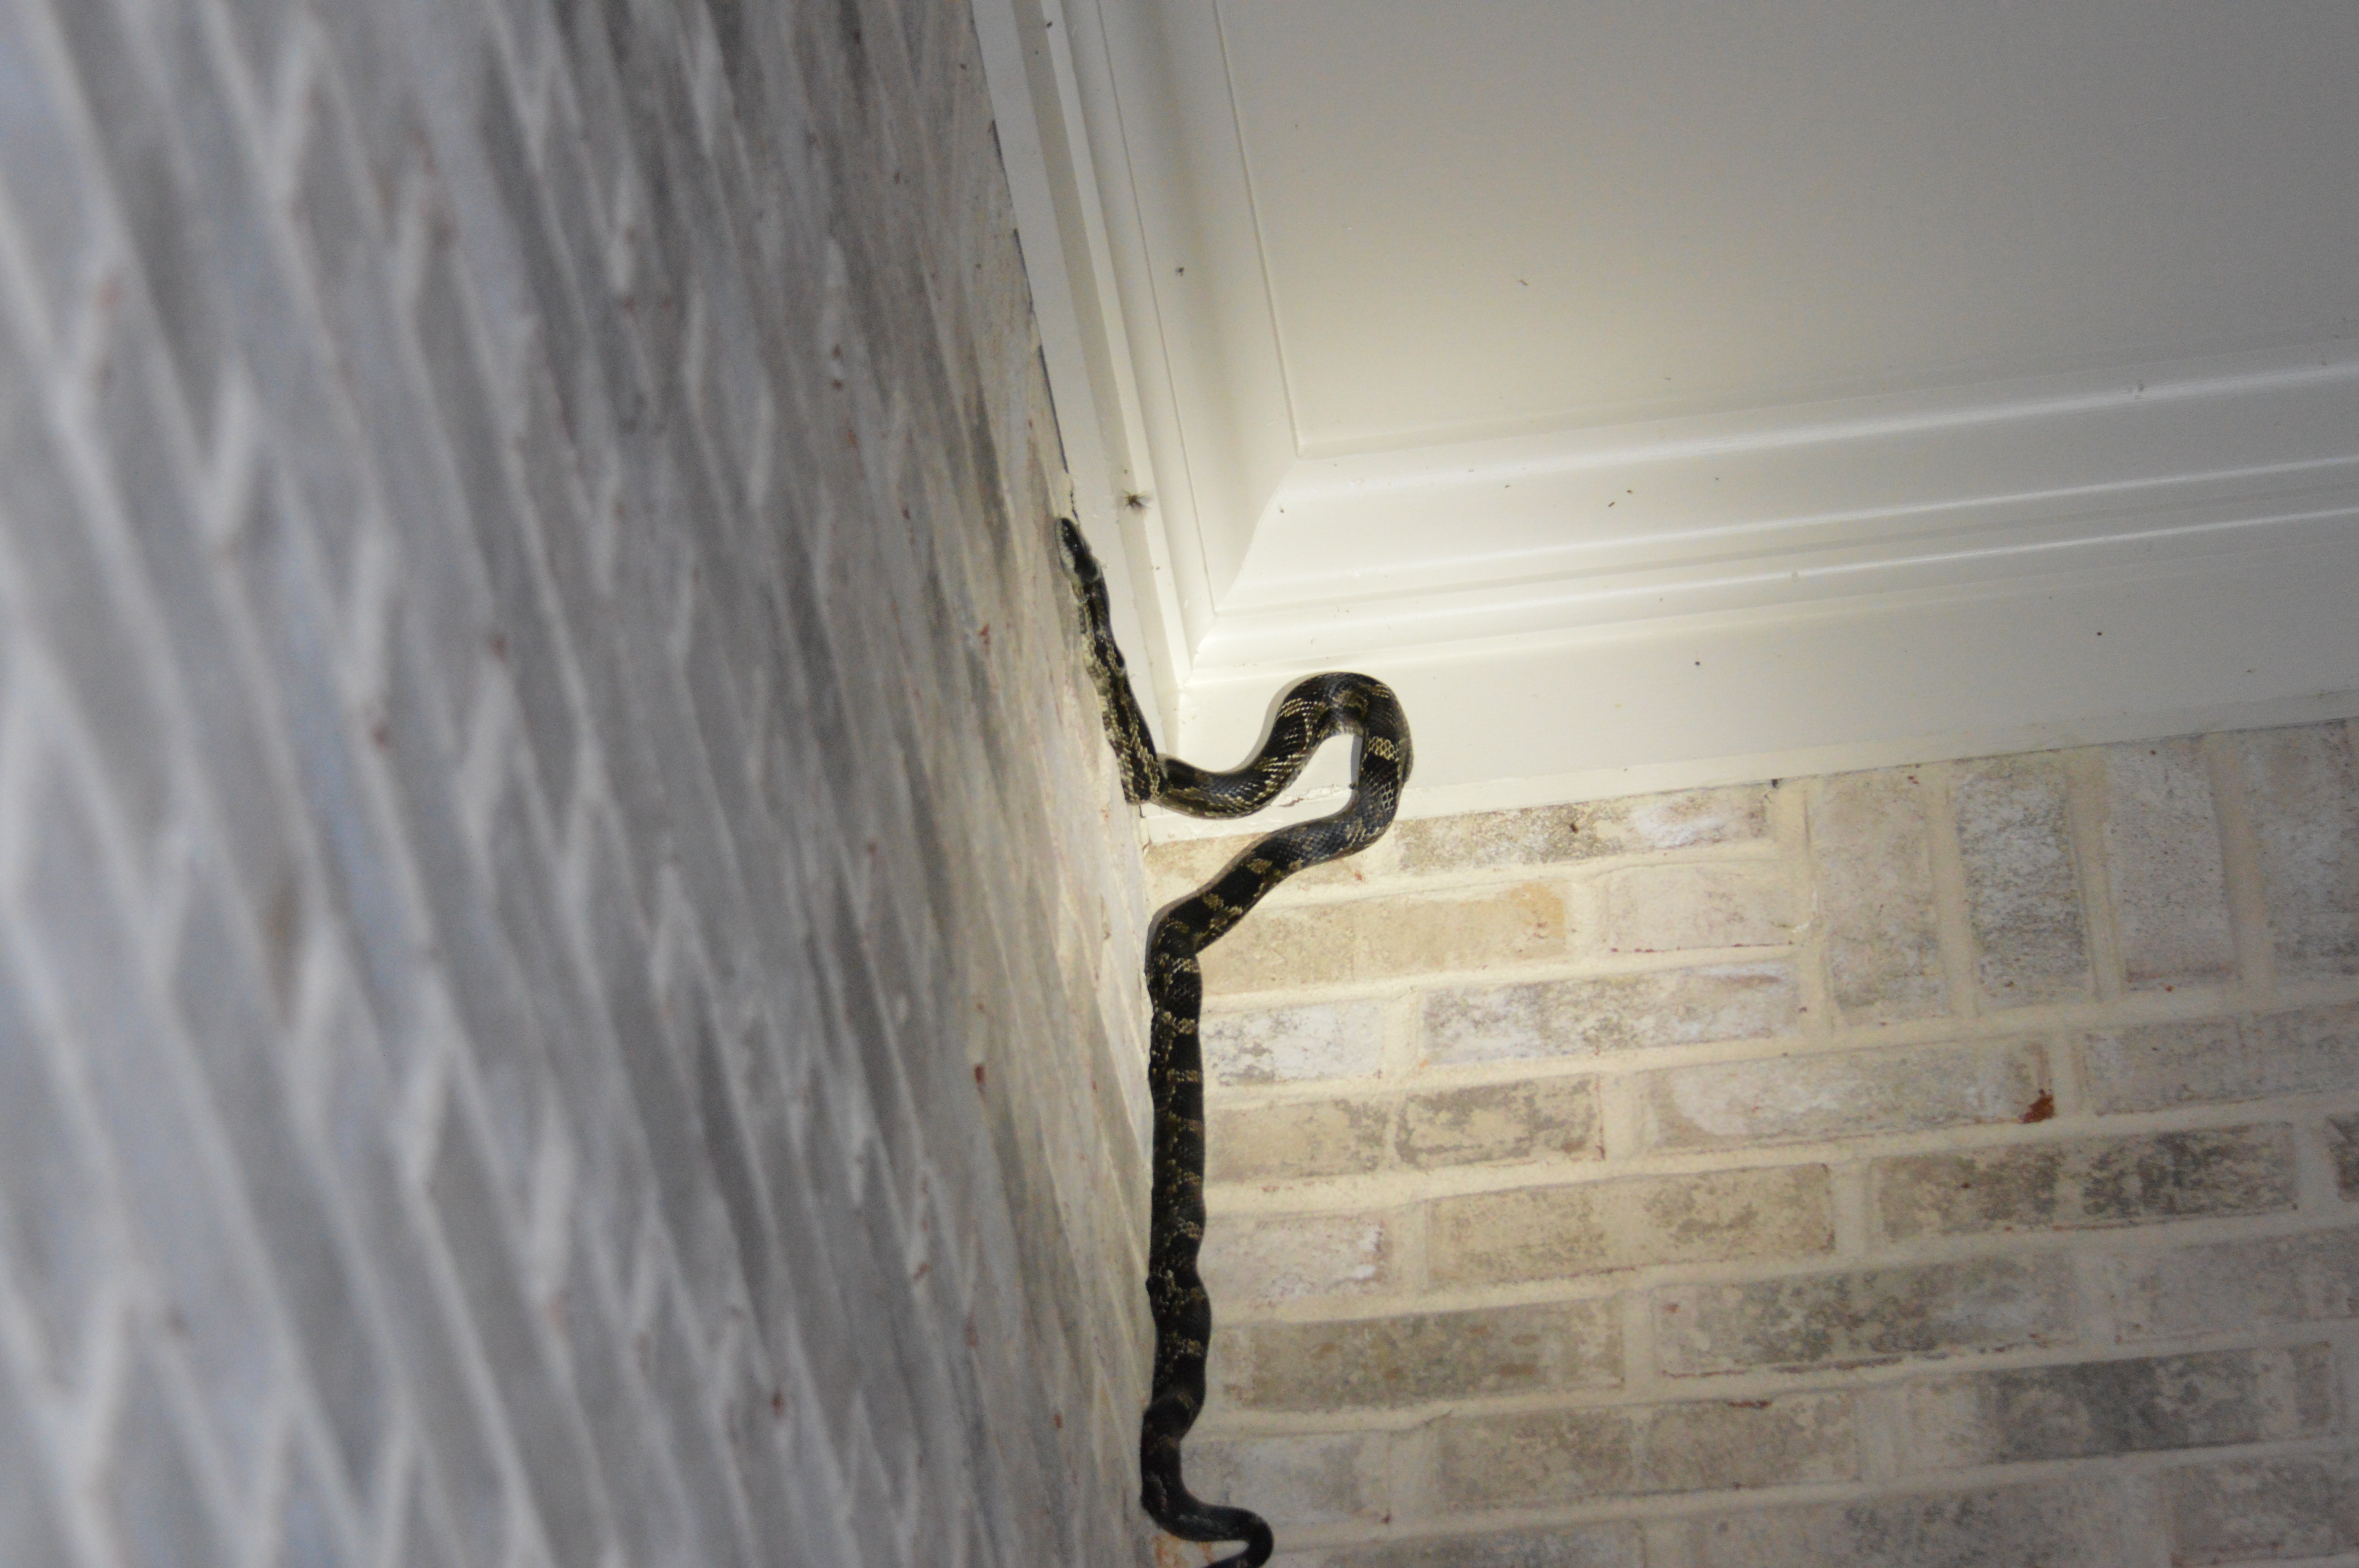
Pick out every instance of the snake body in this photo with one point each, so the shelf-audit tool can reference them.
(1310, 713)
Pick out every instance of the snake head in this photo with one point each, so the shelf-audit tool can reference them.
(1079, 562)
(1125, 726)
(1088, 585)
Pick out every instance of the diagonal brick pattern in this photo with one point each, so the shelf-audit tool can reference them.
(568, 978)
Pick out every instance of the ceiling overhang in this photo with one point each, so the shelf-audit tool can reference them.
(2121, 529)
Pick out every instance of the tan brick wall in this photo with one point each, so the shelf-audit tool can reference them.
(1949, 1165)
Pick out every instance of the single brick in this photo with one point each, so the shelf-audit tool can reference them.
(1419, 1358)
(2061, 1525)
(1685, 819)
(1855, 1094)
(2023, 890)
(1874, 879)
(1781, 1211)
(1550, 1118)
(1181, 866)
(2343, 1145)
(1708, 1445)
(1285, 947)
(1611, 1012)
(2304, 789)
(1554, 834)
(1296, 1140)
(1264, 1261)
(2264, 1510)
(2307, 1050)
(1550, 1233)
(1323, 1040)
(1533, 1458)
(1295, 1481)
(2238, 1285)
(1618, 1543)
(1531, 1233)
(1657, 909)
(1867, 1315)
(1541, 835)
(1378, 938)
(2162, 842)
(1440, 931)
(2117, 1406)
(2088, 1182)
(2144, 1066)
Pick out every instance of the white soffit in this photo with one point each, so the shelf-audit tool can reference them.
(1659, 395)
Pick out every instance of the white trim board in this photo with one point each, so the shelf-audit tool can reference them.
(2266, 637)
(1420, 548)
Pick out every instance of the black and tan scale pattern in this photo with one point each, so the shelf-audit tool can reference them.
(1315, 710)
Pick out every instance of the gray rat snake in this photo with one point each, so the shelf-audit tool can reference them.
(1310, 713)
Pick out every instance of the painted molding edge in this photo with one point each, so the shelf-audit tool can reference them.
(1062, 224)
(1793, 506)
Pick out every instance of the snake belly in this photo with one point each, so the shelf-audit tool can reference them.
(1312, 711)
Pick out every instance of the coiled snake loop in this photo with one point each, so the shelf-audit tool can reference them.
(1315, 710)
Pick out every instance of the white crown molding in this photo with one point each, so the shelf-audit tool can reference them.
(1645, 605)
(1788, 507)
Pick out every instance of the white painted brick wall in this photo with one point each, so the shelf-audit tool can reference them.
(568, 944)
(1948, 1167)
